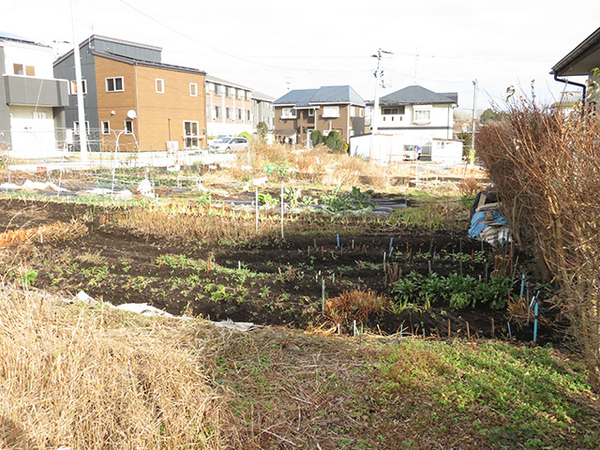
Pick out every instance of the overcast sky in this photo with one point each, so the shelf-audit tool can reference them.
(272, 46)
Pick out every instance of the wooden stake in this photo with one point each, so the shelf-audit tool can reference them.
(468, 331)
(449, 328)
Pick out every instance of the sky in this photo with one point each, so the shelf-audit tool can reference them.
(272, 46)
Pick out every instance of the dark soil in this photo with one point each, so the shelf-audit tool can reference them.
(282, 281)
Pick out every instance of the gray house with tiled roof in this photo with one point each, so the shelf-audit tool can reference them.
(418, 112)
(328, 108)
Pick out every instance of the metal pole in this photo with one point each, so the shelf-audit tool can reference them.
(79, 86)
(375, 113)
(256, 208)
(472, 152)
(282, 209)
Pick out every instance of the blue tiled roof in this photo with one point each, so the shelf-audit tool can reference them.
(325, 94)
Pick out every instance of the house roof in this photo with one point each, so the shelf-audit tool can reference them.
(325, 94)
(211, 79)
(418, 95)
(582, 59)
(297, 97)
(141, 62)
(264, 97)
(98, 37)
(4, 36)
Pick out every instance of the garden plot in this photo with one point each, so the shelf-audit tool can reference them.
(349, 274)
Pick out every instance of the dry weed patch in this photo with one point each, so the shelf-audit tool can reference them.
(58, 231)
(77, 377)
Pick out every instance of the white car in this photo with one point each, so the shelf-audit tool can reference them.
(227, 144)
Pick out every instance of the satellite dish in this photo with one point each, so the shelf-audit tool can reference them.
(131, 114)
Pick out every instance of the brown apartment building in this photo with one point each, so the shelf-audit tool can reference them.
(133, 101)
(329, 108)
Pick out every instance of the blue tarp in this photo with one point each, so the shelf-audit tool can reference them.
(478, 222)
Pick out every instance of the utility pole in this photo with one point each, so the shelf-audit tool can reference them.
(472, 152)
(79, 85)
(378, 74)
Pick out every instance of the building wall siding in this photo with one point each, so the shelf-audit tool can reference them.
(176, 104)
(118, 102)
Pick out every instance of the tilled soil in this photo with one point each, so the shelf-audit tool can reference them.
(268, 281)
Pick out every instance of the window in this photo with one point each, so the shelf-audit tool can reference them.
(74, 87)
(218, 112)
(228, 113)
(330, 112)
(218, 89)
(190, 134)
(288, 113)
(311, 112)
(114, 84)
(353, 111)
(129, 127)
(228, 92)
(361, 112)
(422, 116)
(238, 93)
(210, 87)
(208, 111)
(160, 85)
(20, 69)
(247, 95)
(393, 111)
(238, 114)
(76, 127)
(105, 127)
(193, 89)
(248, 115)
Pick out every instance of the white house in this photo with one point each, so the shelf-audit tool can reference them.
(32, 101)
(418, 113)
(412, 122)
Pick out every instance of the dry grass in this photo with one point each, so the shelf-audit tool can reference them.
(354, 305)
(330, 170)
(182, 222)
(58, 231)
(74, 377)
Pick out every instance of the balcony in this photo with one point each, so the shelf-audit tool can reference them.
(36, 91)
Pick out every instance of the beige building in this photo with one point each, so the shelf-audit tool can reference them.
(133, 101)
(228, 107)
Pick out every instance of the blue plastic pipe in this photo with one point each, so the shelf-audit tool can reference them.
(535, 323)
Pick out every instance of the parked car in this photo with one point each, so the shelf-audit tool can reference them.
(226, 144)
(411, 153)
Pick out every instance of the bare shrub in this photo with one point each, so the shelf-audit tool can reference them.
(354, 305)
(546, 167)
(469, 186)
